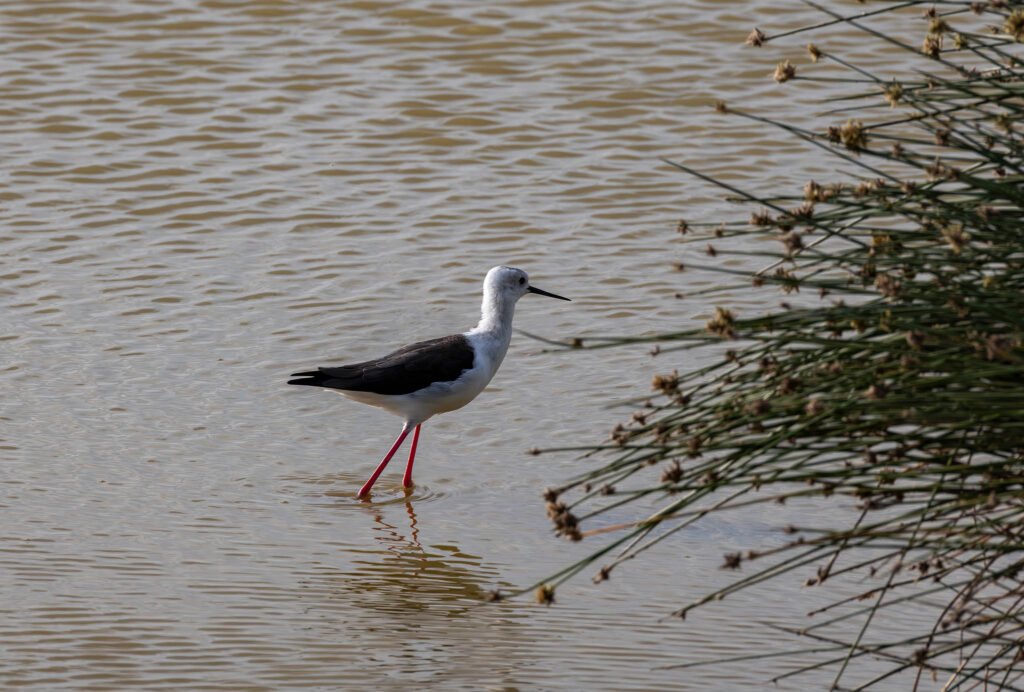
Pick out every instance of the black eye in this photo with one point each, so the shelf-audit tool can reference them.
(521, 281)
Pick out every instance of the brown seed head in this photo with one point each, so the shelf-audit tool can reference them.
(672, 474)
(1014, 25)
(545, 594)
(722, 324)
(938, 26)
(814, 52)
(666, 384)
(853, 136)
(893, 93)
(784, 71)
(761, 218)
(793, 242)
(876, 392)
(932, 46)
(755, 38)
(915, 340)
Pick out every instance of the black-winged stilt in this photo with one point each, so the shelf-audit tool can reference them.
(435, 376)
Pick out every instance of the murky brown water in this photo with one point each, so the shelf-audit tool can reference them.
(201, 197)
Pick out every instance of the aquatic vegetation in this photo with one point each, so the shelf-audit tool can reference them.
(891, 384)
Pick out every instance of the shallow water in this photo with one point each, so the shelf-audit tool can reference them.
(201, 197)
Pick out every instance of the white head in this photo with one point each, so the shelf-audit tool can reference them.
(511, 284)
(503, 286)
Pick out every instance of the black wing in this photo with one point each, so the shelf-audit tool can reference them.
(407, 370)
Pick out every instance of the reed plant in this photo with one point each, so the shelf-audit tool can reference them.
(890, 385)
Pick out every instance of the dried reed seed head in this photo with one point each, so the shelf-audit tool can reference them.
(897, 150)
(602, 574)
(551, 495)
(932, 46)
(977, 7)
(666, 384)
(682, 228)
(620, 435)
(893, 93)
(545, 594)
(813, 192)
(710, 250)
(784, 71)
(495, 596)
(876, 392)
(732, 561)
(793, 242)
(938, 26)
(956, 237)
(805, 212)
(673, 474)
(853, 136)
(942, 137)
(1004, 121)
(761, 217)
(572, 533)
(888, 286)
(788, 281)
(814, 52)
(1014, 25)
(814, 406)
(915, 340)
(937, 170)
(758, 407)
(960, 41)
(999, 347)
(721, 107)
(556, 508)
(790, 385)
(722, 324)
(756, 38)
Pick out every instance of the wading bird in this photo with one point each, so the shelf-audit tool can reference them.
(435, 376)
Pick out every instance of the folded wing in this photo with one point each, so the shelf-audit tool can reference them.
(407, 370)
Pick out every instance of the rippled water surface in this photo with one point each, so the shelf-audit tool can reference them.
(199, 197)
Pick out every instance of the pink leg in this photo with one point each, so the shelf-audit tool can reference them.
(380, 467)
(407, 479)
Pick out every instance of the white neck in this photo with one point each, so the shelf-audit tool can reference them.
(496, 315)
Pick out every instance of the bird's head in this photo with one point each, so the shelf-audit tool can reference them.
(512, 284)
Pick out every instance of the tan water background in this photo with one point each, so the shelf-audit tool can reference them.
(198, 198)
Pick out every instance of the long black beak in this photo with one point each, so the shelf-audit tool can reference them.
(539, 292)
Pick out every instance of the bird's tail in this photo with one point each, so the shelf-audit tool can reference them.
(314, 378)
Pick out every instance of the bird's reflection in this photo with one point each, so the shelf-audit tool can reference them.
(401, 574)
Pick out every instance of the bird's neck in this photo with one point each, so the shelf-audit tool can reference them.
(496, 317)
